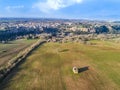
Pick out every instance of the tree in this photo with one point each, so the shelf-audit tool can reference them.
(101, 29)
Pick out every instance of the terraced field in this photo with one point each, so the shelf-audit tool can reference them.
(50, 68)
(11, 49)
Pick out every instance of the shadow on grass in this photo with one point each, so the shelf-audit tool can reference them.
(64, 50)
(83, 69)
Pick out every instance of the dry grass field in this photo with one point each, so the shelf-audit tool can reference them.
(11, 49)
(50, 68)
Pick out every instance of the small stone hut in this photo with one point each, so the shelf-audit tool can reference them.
(75, 70)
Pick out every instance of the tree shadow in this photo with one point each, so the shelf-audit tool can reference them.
(83, 69)
(64, 50)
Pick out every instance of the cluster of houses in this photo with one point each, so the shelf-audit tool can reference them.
(66, 30)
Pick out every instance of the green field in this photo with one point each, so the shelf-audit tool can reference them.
(12, 48)
(50, 68)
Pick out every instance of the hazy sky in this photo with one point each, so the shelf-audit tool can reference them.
(81, 9)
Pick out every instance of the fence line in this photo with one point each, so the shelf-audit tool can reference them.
(5, 70)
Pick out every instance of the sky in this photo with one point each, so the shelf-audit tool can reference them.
(68, 9)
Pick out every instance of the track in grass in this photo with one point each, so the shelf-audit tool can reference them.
(50, 68)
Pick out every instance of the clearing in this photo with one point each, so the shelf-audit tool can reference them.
(50, 68)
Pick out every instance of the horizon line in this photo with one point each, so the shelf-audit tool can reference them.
(87, 19)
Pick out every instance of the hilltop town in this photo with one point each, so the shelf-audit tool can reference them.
(59, 54)
(61, 30)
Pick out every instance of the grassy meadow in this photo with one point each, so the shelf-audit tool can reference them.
(12, 48)
(50, 68)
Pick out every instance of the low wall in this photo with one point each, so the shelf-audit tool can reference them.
(6, 69)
